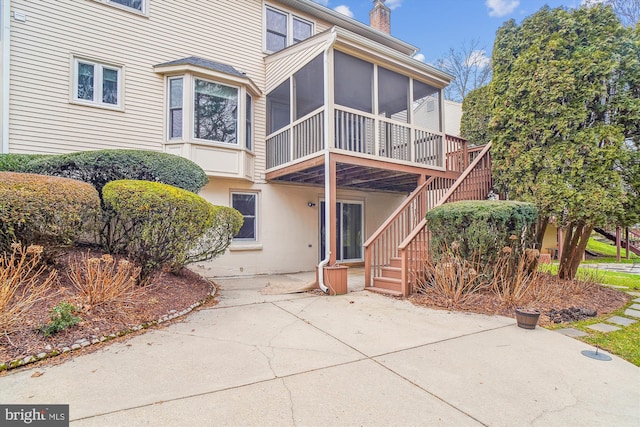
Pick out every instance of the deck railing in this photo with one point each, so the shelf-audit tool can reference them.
(473, 184)
(384, 243)
(366, 134)
(457, 153)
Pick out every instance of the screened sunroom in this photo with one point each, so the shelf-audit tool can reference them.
(354, 100)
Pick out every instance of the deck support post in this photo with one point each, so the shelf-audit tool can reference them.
(333, 212)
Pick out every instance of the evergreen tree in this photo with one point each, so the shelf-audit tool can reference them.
(565, 117)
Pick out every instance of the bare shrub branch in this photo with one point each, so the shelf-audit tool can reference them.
(103, 282)
(21, 286)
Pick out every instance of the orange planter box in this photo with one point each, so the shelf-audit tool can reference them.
(335, 278)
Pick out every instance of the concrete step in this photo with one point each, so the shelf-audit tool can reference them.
(384, 291)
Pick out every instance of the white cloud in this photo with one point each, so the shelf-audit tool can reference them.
(420, 57)
(501, 7)
(478, 58)
(322, 2)
(393, 4)
(344, 10)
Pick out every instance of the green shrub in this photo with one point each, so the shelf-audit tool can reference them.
(217, 238)
(44, 210)
(482, 228)
(17, 162)
(156, 223)
(102, 166)
(61, 318)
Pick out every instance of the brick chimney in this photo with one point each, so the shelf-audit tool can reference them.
(380, 17)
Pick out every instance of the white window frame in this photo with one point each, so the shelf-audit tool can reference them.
(239, 109)
(256, 217)
(290, 17)
(169, 109)
(249, 142)
(144, 10)
(97, 84)
(188, 112)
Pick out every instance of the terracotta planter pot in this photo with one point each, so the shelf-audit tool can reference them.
(527, 318)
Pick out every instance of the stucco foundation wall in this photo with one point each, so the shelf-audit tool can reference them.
(288, 228)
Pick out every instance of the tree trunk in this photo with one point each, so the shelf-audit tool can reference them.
(576, 237)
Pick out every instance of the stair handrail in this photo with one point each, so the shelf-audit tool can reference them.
(446, 196)
(415, 193)
(464, 175)
(385, 225)
(421, 228)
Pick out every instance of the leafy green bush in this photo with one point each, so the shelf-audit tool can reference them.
(17, 162)
(102, 166)
(217, 238)
(44, 210)
(482, 228)
(61, 318)
(156, 224)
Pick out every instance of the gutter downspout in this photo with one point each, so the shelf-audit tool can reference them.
(327, 182)
(6, 30)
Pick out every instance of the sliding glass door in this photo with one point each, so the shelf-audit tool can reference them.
(349, 231)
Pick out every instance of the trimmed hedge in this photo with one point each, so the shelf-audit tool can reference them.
(156, 223)
(45, 210)
(102, 166)
(17, 162)
(217, 238)
(482, 228)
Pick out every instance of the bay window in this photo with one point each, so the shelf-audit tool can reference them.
(215, 112)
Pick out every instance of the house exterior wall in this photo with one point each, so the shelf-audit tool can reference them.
(43, 117)
(550, 240)
(452, 117)
(288, 229)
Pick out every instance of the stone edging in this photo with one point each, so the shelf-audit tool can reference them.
(85, 342)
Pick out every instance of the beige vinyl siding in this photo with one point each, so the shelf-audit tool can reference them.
(43, 118)
(281, 67)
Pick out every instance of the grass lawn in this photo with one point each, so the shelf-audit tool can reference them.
(632, 281)
(607, 250)
(624, 343)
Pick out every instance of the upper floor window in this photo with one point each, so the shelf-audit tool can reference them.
(138, 5)
(96, 83)
(284, 29)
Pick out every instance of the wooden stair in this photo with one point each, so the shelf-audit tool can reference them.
(390, 282)
(396, 252)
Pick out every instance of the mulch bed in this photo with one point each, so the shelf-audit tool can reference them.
(167, 294)
(563, 301)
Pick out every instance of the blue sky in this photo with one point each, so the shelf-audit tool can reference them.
(435, 26)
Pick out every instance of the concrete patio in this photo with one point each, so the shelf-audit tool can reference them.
(355, 359)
